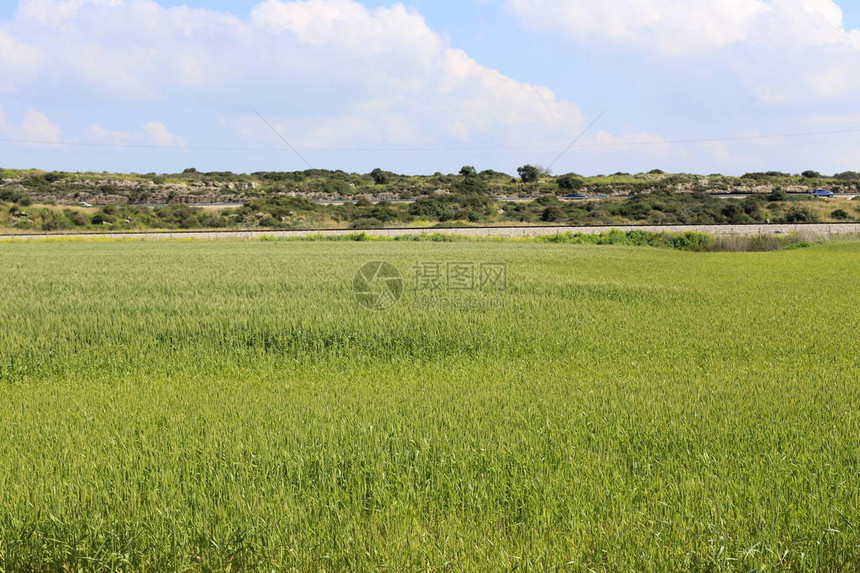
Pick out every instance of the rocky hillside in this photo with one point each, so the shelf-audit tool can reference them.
(192, 187)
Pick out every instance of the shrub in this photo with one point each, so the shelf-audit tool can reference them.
(367, 223)
(691, 241)
(14, 197)
(548, 200)
(764, 175)
(800, 215)
(380, 177)
(552, 213)
(735, 214)
(778, 194)
(847, 176)
(570, 182)
(840, 214)
(470, 185)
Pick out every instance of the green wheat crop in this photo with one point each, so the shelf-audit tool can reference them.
(202, 406)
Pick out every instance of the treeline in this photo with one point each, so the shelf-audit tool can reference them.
(468, 205)
(17, 186)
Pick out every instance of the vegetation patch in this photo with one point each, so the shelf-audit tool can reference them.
(226, 405)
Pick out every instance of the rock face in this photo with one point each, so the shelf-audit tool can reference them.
(130, 192)
(123, 191)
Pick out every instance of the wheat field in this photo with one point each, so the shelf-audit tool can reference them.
(212, 406)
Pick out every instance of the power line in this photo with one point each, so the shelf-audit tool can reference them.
(431, 149)
(284, 140)
(578, 137)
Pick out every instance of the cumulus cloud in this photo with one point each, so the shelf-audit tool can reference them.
(673, 27)
(784, 50)
(18, 62)
(328, 72)
(34, 126)
(158, 134)
(98, 134)
(37, 126)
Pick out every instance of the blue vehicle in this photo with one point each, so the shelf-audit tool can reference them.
(822, 193)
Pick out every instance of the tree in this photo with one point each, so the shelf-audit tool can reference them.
(810, 174)
(380, 177)
(529, 173)
(848, 176)
(468, 171)
(570, 182)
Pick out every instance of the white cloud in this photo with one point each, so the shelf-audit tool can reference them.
(35, 126)
(667, 26)
(98, 134)
(783, 50)
(330, 73)
(158, 134)
(18, 62)
(55, 12)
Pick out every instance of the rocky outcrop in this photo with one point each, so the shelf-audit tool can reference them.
(115, 191)
(124, 191)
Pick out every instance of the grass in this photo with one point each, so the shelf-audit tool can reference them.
(201, 406)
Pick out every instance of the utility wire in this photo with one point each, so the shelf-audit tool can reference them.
(578, 137)
(284, 140)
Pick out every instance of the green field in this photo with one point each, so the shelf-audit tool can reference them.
(185, 406)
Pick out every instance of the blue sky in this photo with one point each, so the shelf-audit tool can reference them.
(419, 87)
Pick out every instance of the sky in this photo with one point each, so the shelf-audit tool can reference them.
(420, 86)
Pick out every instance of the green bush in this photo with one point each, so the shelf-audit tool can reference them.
(800, 215)
(570, 182)
(552, 214)
(11, 196)
(778, 194)
(380, 177)
(691, 241)
(367, 223)
(847, 176)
